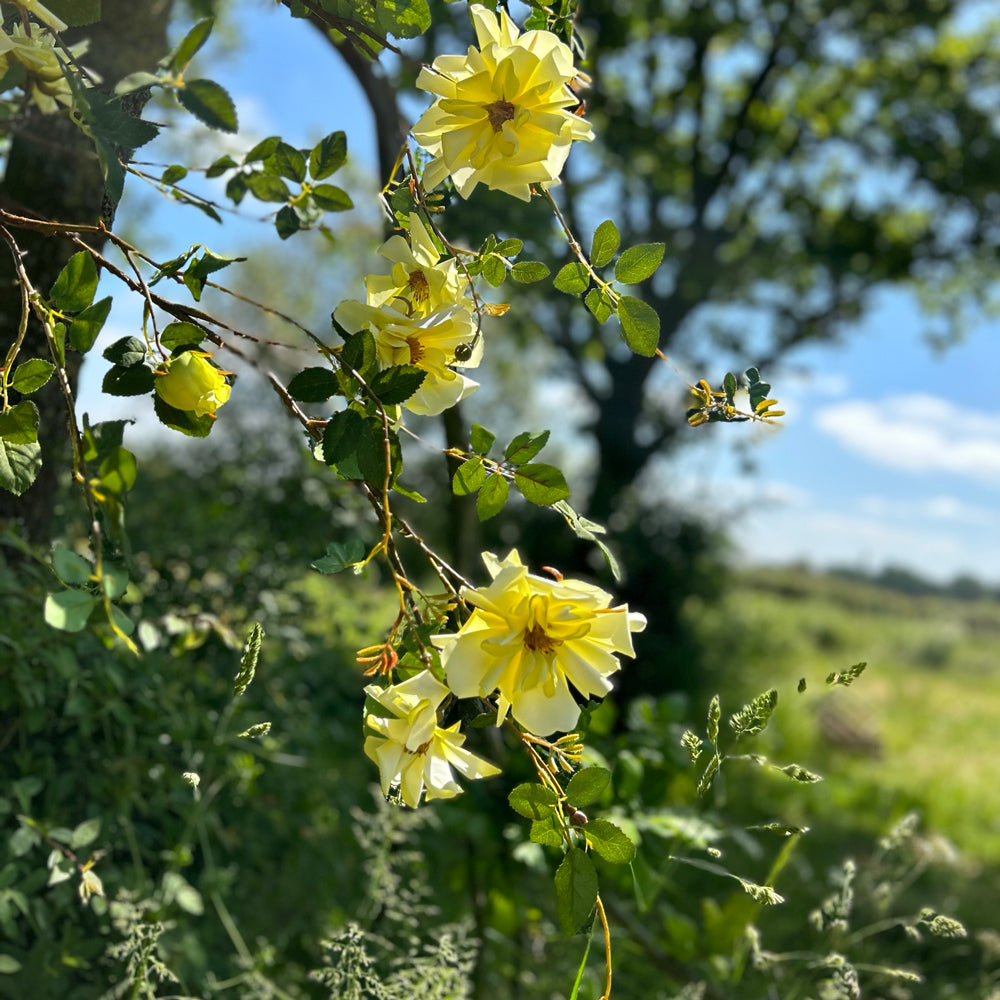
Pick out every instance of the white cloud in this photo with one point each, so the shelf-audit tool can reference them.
(919, 433)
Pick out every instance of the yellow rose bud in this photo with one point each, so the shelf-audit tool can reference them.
(189, 382)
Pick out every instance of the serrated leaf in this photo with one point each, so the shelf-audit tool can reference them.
(509, 248)
(88, 323)
(313, 385)
(546, 831)
(587, 785)
(469, 476)
(638, 263)
(494, 270)
(135, 381)
(287, 161)
(72, 569)
(481, 439)
(331, 198)
(640, 325)
(181, 334)
(74, 289)
(576, 890)
(86, 833)
(526, 271)
(328, 155)
(68, 610)
(359, 353)
(127, 352)
(532, 800)
(605, 243)
(31, 375)
(19, 466)
(492, 496)
(342, 435)
(210, 103)
(609, 842)
(525, 446)
(599, 305)
(340, 555)
(572, 278)
(395, 385)
(753, 717)
(267, 187)
(189, 45)
(19, 424)
(541, 484)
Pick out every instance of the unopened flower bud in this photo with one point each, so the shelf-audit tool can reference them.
(191, 383)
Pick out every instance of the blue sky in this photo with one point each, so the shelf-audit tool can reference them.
(889, 454)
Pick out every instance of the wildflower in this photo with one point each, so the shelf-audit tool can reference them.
(411, 749)
(529, 638)
(436, 343)
(45, 82)
(501, 117)
(418, 284)
(190, 382)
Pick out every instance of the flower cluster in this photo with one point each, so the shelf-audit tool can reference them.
(527, 641)
(419, 315)
(34, 53)
(502, 114)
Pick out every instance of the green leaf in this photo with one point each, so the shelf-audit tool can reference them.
(267, 187)
(340, 555)
(86, 833)
(640, 325)
(210, 103)
(114, 581)
(32, 375)
(753, 717)
(236, 187)
(342, 435)
(19, 424)
(134, 381)
(136, 81)
(19, 465)
(526, 271)
(638, 262)
(609, 842)
(395, 385)
(546, 831)
(88, 324)
(494, 270)
(509, 248)
(76, 13)
(481, 439)
(74, 289)
(248, 662)
(606, 240)
(198, 270)
(220, 166)
(328, 155)
(173, 174)
(541, 484)
(117, 472)
(182, 420)
(263, 149)
(9, 965)
(331, 198)
(313, 385)
(576, 890)
(189, 45)
(525, 447)
(359, 354)
(587, 785)
(532, 800)
(287, 161)
(72, 569)
(181, 334)
(127, 352)
(492, 496)
(287, 222)
(469, 476)
(572, 278)
(584, 528)
(599, 305)
(68, 610)
(729, 387)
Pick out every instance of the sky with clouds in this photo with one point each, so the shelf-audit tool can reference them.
(890, 450)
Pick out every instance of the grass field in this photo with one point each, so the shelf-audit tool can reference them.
(919, 729)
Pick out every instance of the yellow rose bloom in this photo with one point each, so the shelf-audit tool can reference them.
(45, 84)
(189, 382)
(501, 115)
(530, 638)
(436, 343)
(411, 749)
(418, 284)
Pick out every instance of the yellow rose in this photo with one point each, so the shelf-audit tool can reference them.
(529, 638)
(501, 117)
(190, 382)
